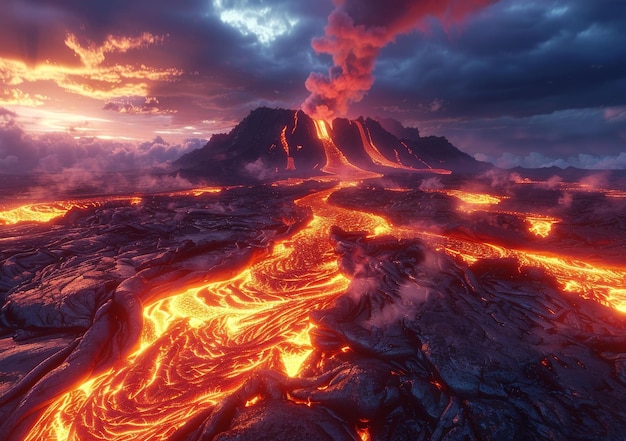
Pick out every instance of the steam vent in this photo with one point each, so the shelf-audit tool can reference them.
(319, 280)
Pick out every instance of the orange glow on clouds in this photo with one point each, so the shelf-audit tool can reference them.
(94, 80)
(17, 97)
(94, 55)
(91, 79)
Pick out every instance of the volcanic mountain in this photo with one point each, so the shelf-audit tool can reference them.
(272, 144)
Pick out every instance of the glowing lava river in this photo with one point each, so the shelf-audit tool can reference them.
(306, 320)
(199, 345)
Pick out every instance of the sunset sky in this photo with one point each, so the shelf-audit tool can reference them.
(516, 82)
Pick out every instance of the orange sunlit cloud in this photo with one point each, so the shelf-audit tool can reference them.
(94, 55)
(92, 78)
(17, 97)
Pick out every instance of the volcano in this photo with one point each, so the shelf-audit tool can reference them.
(272, 144)
(395, 289)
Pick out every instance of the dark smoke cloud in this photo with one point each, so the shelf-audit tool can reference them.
(356, 32)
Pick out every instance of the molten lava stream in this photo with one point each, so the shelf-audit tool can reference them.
(336, 161)
(37, 212)
(600, 283)
(201, 344)
(45, 212)
(372, 151)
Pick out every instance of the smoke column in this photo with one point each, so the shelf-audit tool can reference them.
(356, 32)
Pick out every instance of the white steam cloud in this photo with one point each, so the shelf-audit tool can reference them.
(23, 153)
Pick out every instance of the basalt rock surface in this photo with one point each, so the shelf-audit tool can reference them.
(421, 347)
(589, 225)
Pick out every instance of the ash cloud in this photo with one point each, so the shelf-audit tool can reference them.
(354, 36)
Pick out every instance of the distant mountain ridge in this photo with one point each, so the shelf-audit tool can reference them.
(271, 144)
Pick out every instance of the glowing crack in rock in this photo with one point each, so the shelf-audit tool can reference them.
(540, 225)
(283, 141)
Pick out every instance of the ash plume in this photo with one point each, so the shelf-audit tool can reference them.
(355, 33)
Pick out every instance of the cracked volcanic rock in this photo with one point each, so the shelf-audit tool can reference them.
(491, 352)
(421, 347)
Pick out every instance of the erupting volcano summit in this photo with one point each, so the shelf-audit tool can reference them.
(271, 144)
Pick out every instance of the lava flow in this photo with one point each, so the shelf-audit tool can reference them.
(541, 225)
(375, 154)
(45, 212)
(602, 283)
(200, 344)
(336, 161)
(35, 212)
(364, 307)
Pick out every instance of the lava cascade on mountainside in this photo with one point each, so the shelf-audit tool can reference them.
(336, 162)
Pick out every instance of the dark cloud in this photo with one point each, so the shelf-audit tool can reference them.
(225, 68)
(515, 59)
(516, 77)
(574, 137)
(228, 73)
